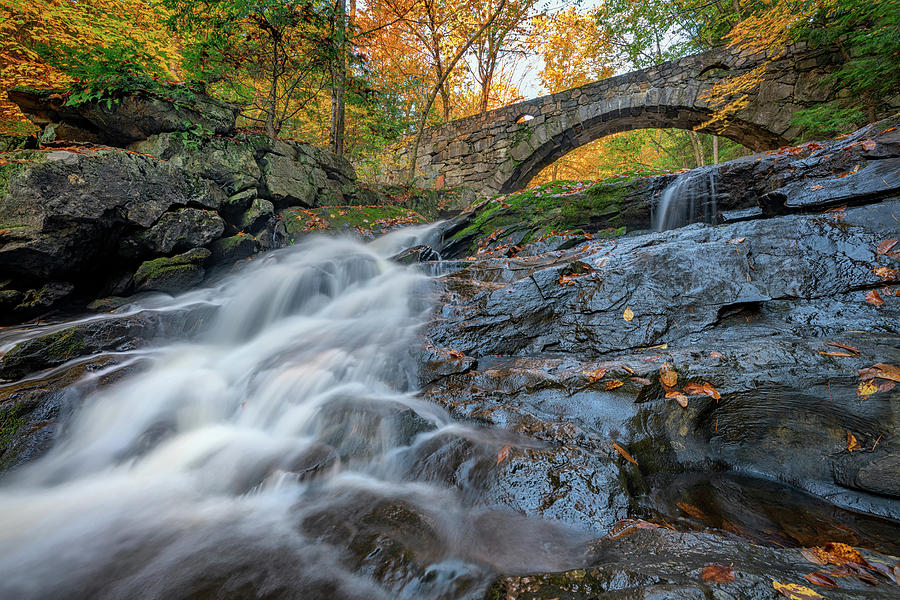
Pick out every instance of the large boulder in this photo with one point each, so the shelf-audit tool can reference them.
(172, 275)
(63, 213)
(183, 229)
(126, 119)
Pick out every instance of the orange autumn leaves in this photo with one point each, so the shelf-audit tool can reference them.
(668, 379)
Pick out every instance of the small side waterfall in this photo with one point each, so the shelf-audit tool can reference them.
(691, 198)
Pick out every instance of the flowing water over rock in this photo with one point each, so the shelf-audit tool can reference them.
(690, 198)
(280, 452)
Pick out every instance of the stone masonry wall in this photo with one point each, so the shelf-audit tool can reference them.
(500, 151)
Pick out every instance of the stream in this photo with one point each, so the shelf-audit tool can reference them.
(252, 459)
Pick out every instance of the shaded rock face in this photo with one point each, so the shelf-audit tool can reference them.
(124, 120)
(65, 212)
(748, 308)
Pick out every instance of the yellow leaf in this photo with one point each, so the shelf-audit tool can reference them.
(611, 385)
(795, 591)
(628, 315)
(866, 389)
(852, 444)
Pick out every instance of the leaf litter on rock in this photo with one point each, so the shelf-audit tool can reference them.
(717, 573)
(795, 591)
(624, 454)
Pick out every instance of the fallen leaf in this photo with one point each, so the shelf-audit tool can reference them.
(872, 297)
(701, 389)
(613, 384)
(868, 144)
(628, 315)
(886, 386)
(691, 510)
(628, 526)
(624, 453)
(812, 555)
(795, 591)
(641, 380)
(866, 389)
(885, 246)
(668, 376)
(717, 573)
(629, 369)
(868, 373)
(715, 354)
(501, 456)
(816, 187)
(852, 444)
(887, 274)
(844, 554)
(844, 354)
(888, 129)
(681, 399)
(456, 354)
(595, 375)
(887, 372)
(820, 579)
(852, 349)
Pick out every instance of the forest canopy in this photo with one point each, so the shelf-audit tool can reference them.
(360, 76)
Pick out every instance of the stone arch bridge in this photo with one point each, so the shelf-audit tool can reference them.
(501, 150)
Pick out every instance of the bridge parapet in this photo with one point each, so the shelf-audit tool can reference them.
(501, 150)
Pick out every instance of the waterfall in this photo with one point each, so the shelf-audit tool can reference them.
(690, 198)
(222, 469)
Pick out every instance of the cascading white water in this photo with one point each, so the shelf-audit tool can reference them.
(192, 478)
(690, 198)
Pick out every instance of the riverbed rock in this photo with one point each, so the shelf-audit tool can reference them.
(183, 229)
(63, 212)
(172, 275)
(569, 347)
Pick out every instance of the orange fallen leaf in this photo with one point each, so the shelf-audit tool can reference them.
(628, 315)
(691, 510)
(888, 129)
(843, 554)
(872, 297)
(852, 444)
(680, 398)
(715, 354)
(624, 453)
(717, 573)
(885, 246)
(820, 579)
(886, 371)
(868, 144)
(613, 384)
(847, 347)
(812, 555)
(701, 389)
(887, 274)
(668, 376)
(816, 187)
(595, 375)
(501, 456)
(844, 354)
(795, 591)
(629, 369)
(456, 354)
(626, 527)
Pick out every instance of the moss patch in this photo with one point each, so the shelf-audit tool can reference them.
(559, 207)
(11, 420)
(364, 219)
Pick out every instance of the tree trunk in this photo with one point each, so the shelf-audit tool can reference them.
(715, 149)
(698, 149)
(272, 103)
(423, 118)
(338, 77)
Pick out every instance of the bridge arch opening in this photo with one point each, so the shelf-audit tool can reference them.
(641, 152)
(551, 141)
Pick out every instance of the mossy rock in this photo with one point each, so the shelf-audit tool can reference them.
(607, 208)
(366, 221)
(234, 248)
(172, 274)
